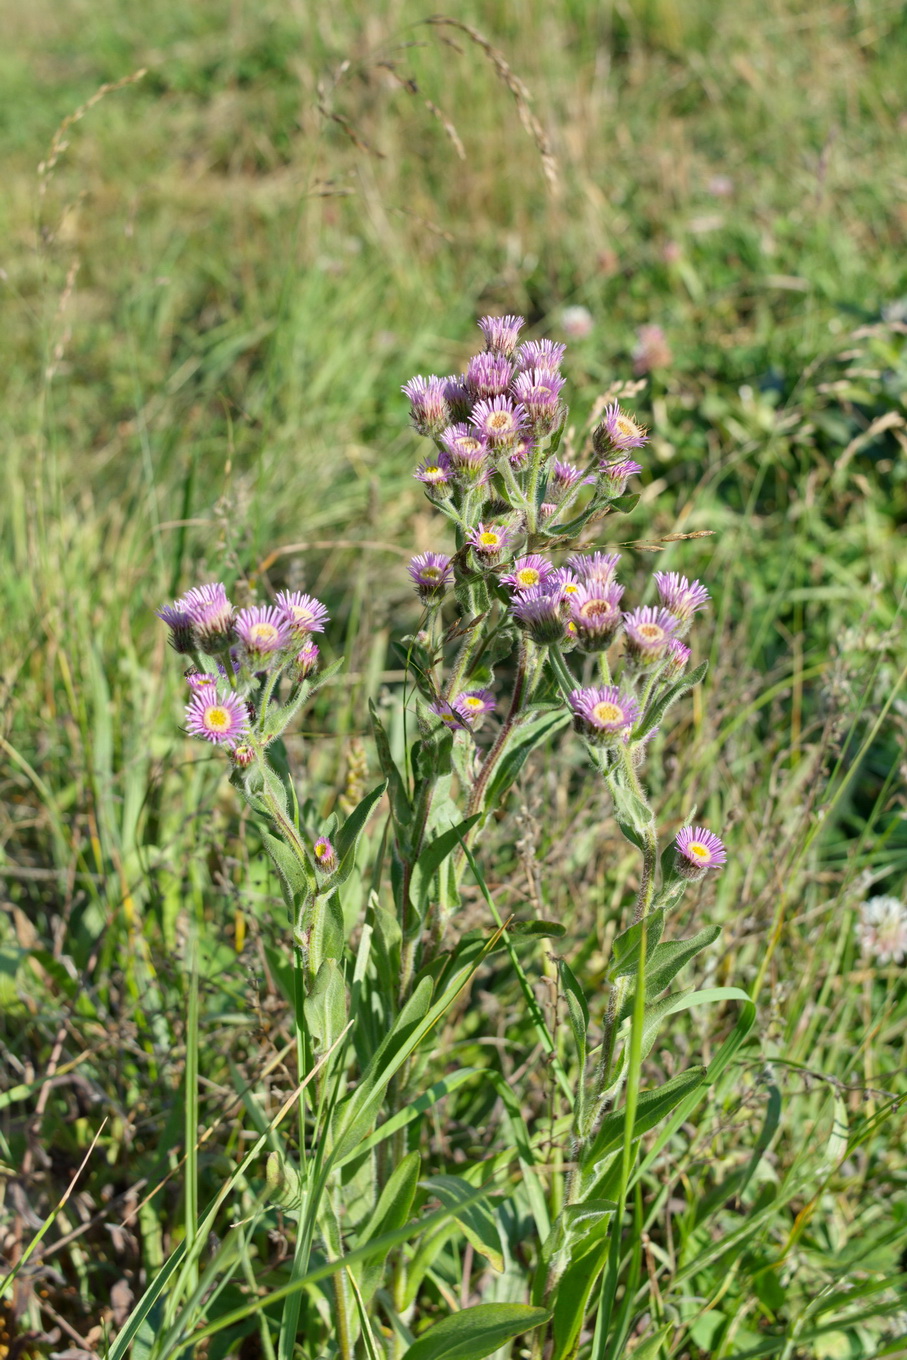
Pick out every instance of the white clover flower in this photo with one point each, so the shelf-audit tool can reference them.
(882, 929)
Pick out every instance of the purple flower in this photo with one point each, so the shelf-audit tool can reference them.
(263, 630)
(696, 850)
(566, 582)
(177, 618)
(521, 452)
(488, 375)
(211, 615)
(618, 432)
(302, 612)
(539, 611)
(457, 396)
(325, 855)
(613, 476)
(595, 616)
(603, 713)
(242, 755)
(499, 420)
(529, 571)
(538, 392)
(222, 719)
(473, 704)
(448, 714)
(429, 407)
(489, 542)
(200, 682)
(468, 455)
(545, 355)
(679, 596)
(594, 567)
(649, 630)
(676, 659)
(430, 572)
(435, 473)
(501, 332)
(563, 477)
(306, 661)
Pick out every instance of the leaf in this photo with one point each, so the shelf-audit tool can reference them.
(624, 504)
(666, 961)
(391, 1211)
(328, 934)
(396, 788)
(295, 883)
(650, 1110)
(630, 810)
(648, 1348)
(657, 711)
(625, 950)
(574, 1288)
(475, 1332)
(552, 930)
(349, 834)
(480, 1227)
(520, 746)
(437, 1091)
(325, 1006)
(431, 859)
(577, 1011)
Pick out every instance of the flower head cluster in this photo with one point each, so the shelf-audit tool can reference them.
(250, 647)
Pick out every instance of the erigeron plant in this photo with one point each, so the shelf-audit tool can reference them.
(521, 598)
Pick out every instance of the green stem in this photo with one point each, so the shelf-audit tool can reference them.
(494, 754)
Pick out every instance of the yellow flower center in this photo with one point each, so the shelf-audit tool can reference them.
(217, 719)
(321, 848)
(501, 420)
(607, 713)
(432, 573)
(627, 426)
(432, 471)
(264, 632)
(472, 702)
(570, 589)
(699, 850)
(528, 576)
(468, 445)
(593, 608)
(652, 631)
(489, 540)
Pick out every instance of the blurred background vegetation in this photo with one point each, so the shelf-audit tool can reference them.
(216, 276)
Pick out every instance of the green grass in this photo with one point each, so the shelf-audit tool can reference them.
(212, 298)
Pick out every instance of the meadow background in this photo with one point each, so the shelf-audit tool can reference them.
(215, 280)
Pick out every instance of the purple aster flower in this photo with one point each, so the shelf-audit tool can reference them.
(489, 543)
(538, 392)
(529, 571)
(547, 509)
(501, 332)
(302, 612)
(429, 407)
(325, 855)
(563, 477)
(488, 375)
(457, 396)
(676, 658)
(521, 452)
(473, 704)
(468, 455)
(211, 615)
(594, 567)
(436, 474)
(696, 850)
(539, 611)
(306, 661)
(430, 572)
(566, 581)
(679, 596)
(648, 630)
(448, 714)
(545, 355)
(221, 718)
(613, 476)
(263, 631)
(242, 755)
(200, 682)
(178, 620)
(603, 713)
(618, 432)
(499, 421)
(595, 616)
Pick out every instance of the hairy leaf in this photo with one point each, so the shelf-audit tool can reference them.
(473, 1333)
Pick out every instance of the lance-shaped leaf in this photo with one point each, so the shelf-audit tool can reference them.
(396, 788)
(665, 962)
(549, 930)
(476, 1218)
(651, 1108)
(391, 1211)
(349, 834)
(625, 950)
(297, 881)
(475, 1332)
(520, 745)
(325, 1006)
(577, 1011)
(656, 712)
(431, 859)
(631, 812)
